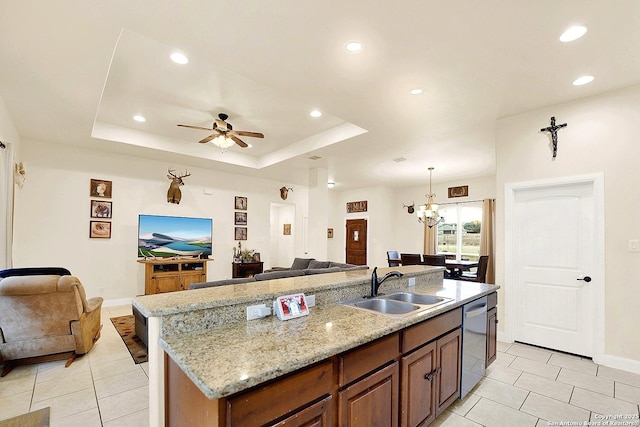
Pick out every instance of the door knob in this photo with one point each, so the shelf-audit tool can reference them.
(586, 279)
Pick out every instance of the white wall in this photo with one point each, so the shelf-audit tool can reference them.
(9, 136)
(282, 249)
(601, 136)
(52, 216)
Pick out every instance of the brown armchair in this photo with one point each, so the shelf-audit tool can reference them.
(45, 315)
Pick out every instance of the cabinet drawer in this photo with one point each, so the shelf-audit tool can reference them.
(277, 398)
(415, 336)
(367, 358)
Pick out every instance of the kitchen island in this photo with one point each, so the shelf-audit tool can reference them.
(217, 358)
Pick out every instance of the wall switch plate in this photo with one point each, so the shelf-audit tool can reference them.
(412, 281)
(634, 245)
(257, 311)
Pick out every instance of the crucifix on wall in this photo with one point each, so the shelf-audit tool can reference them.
(553, 130)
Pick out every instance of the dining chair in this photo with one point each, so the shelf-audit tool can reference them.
(410, 259)
(393, 258)
(438, 260)
(481, 272)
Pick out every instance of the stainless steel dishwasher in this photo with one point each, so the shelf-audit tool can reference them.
(474, 344)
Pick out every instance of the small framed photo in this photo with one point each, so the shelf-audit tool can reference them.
(100, 188)
(241, 203)
(99, 229)
(329, 233)
(241, 233)
(241, 218)
(100, 209)
(291, 306)
(256, 257)
(286, 229)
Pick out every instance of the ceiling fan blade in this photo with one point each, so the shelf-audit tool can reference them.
(238, 141)
(207, 139)
(251, 134)
(195, 127)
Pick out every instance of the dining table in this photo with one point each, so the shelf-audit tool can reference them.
(456, 267)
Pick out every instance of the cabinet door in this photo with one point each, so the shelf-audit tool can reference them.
(316, 415)
(187, 279)
(372, 401)
(418, 382)
(165, 282)
(492, 336)
(449, 364)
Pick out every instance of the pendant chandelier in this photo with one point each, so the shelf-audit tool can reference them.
(428, 214)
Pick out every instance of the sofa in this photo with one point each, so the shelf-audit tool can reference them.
(307, 266)
(45, 315)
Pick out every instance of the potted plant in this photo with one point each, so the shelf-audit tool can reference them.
(246, 255)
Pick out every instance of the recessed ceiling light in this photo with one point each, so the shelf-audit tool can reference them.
(416, 91)
(139, 118)
(399, 159)
(315, 113)
(179, 58)
(573, 33)
(353, 46)
(582, 80)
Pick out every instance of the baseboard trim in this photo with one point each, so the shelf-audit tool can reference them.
(115, 302)
(621, 363)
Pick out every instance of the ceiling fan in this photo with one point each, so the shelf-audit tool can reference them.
(223, 129)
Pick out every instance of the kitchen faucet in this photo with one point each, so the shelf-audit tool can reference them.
(375, 283)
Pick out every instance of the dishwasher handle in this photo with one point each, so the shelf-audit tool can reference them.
(476, 311)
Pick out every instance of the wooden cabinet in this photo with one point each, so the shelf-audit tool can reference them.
(430, 377)
(492, 328)
(369, 384)
(172, 275)
(246, 269)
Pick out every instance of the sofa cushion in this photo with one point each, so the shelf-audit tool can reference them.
(301, 263)
(221, 283)
(321, 270)
(35, 271)
(318, 264)
(355, 267)
(278, 274)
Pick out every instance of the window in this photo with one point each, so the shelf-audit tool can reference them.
(459, 233)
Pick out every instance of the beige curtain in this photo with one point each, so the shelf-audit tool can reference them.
(430, 240)
(487, 237)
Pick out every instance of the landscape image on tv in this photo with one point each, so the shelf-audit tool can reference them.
(172, 236)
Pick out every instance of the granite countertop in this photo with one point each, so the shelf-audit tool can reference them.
(233, 357)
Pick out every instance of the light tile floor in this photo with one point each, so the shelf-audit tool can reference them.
(101, 388)
(525, 386)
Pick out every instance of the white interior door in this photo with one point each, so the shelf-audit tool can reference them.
(555, 244)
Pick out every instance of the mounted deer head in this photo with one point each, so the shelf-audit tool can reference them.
(174, 194)
(284, 192)
(410, 208)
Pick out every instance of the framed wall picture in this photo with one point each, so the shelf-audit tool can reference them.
(241, 203)
(99, 229)
(462, 191)
(241, 233)
(353, 207)
(329, 233)
(241, 218)
(100, 188)
(286, 229)
(101, 209)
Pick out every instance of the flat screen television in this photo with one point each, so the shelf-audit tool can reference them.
(173, 236)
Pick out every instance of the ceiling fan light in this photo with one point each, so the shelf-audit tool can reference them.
(222, 141)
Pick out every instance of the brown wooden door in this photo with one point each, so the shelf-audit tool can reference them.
(356, 242)
(372, 401)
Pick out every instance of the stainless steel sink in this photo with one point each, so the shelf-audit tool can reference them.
(416, 298)
(387, 306)
(396, 304)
